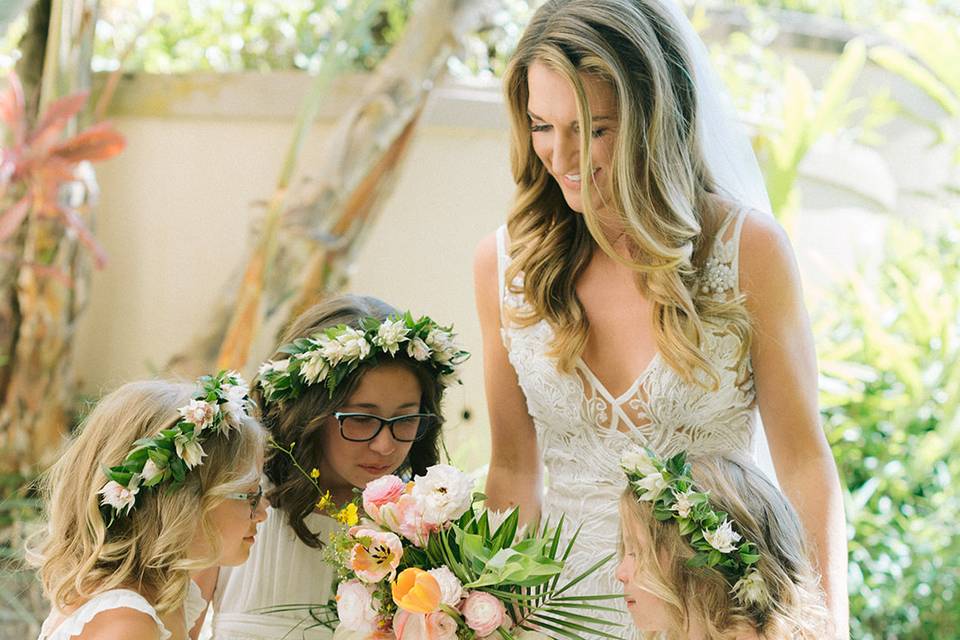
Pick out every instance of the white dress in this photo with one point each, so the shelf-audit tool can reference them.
(281, 570)
(582, 429)
(57, 627)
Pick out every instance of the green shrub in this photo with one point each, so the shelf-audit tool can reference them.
(890, 399)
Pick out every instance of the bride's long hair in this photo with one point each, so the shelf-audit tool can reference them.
(662, 190)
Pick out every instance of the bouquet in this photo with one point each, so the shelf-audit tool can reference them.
(425, 562)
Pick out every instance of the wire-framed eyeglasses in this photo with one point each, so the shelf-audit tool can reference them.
(253, 499)
(363, 427)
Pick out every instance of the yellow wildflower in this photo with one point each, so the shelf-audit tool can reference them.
(325, 502)
(348, 515)
(314, 473)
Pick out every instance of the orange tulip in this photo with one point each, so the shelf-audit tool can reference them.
(416, 591)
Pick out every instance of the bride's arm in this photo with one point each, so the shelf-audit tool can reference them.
(785, 369)
(515, 475)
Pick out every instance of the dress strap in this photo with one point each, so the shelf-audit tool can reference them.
(721, 272)
(73, 624)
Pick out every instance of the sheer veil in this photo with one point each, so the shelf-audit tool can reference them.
(728, 154)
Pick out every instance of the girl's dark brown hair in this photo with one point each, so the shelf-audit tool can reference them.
(300, 419)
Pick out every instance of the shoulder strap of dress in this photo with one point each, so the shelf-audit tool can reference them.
(726, 245)
(73, 624)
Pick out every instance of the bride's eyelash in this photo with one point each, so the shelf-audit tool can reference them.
(536, 128)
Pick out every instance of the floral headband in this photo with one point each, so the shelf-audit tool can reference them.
(220, 407)
(670, 487)
(329, 356)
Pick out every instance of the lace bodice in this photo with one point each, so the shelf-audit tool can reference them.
(582, 429)
(59, 627)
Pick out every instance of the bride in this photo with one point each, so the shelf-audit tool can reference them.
(638, 293)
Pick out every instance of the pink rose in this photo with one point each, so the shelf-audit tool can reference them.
(419, 626)
(483, 612)
(384, 490)
(405, 516)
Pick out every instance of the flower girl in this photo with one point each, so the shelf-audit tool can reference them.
(712, 550)
(354, 394)
(162, 481)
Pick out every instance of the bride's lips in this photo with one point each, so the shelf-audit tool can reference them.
(574, 184)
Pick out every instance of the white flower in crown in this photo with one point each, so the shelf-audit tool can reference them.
(441, 342)
(751, 589)
(390, 334)
(150, 471)
(199, 412)
(120, 497)
(355, 345)
(332, 350)
(637, 460)
(274, 366)
(445, 493)
(683, 504)
(418, 350)
(723, 538)
(235, 408)
(315, 367)
(449, 379)
(189, 449)
(650, 486)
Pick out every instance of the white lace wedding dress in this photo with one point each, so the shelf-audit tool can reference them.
(582, 429)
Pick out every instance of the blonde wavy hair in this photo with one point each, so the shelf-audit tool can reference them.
(796, 608)
(661, 190)
(78, 556)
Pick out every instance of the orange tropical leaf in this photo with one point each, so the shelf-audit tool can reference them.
(55, 120)
(13, 217)
(13, 109)
(99, 142)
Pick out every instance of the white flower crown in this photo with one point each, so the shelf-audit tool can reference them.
(220, 407)
(329, 356)
(670, 487)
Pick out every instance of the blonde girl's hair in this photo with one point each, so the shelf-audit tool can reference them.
(302, 419)
(661, 187)
(795, 608)
(78, 556)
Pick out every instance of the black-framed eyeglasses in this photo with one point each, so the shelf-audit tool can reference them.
(363, 427)
(253, 499)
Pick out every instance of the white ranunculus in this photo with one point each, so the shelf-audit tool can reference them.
(751, 589)
(118, 496)
(150, 471)
(199, 412)
(723, 538)
(649, 487)
(445, 493)
(637, 460)
(355, 345)
(355, 607)
(451, 589)
(390, 335)
(315, 367)
(189, 450)
(418, 350)
(441, 342)
(683, 505)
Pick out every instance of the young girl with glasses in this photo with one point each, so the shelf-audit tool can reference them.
(353, 409)
(161, 482)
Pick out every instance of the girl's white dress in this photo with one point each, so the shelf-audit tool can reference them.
(582, 429)
(56, 627)
(281, 570)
